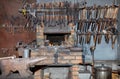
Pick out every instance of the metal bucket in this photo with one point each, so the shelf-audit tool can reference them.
(46, 43)
(26, 53)
(103, 72)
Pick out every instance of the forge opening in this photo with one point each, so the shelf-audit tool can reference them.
(55, 39)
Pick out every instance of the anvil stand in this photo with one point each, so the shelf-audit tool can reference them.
(92, 49)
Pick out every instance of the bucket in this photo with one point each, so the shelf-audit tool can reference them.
(26, 53)
(103, 72)
(46, 43)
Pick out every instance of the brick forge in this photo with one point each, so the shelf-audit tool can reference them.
(67, 57)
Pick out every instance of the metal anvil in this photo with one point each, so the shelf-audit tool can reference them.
(18, 64)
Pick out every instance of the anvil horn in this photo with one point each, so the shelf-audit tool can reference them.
(33, 61)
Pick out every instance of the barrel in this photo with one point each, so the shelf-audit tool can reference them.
(103, 72)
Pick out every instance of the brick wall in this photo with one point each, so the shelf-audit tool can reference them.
(73, 58)
(75, 72)
(8, 40)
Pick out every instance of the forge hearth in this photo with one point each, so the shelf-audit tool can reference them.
(56, 39)
(67, 66)
(58, 72)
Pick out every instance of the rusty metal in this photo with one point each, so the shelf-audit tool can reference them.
(96, 24)
(99, 30)
(6, 58)
(18, 64)
(113, 39)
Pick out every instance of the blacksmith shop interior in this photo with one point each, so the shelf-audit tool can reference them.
(59, 39)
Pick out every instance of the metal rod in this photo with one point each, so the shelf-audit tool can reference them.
(92, 49)
(10, 57)
(93, 63)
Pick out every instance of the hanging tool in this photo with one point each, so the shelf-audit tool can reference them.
(88, 13)
(100, 23)
(113, 40)
(87, 36)
(114, 34)
(102, 13)
(115, 12)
